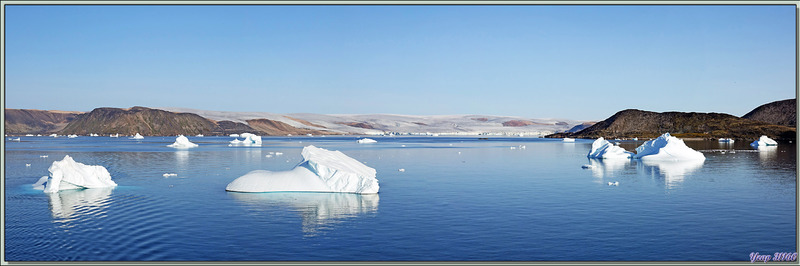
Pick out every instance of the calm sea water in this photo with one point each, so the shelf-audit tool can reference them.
(459, 198)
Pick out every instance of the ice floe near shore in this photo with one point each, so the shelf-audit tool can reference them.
(137, 136)
(320, 171)
(68, 174)
(366, 140)
(602, 149)
(182, 142)
(249, 140)
(667, 148)
(764, 141)
(568, 140)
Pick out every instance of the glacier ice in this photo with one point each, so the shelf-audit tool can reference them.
(602, 149)
(667, 148)
(320, 171)
(249, 140)
(366, 140)
(182, 142)
(68, 174)
(764, 141)
(137, 136)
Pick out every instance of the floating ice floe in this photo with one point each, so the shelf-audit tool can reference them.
(137, 136)
(29, 135)
(249, 140)
(43, 156)
(401, 170)
(72, 136)
(366, 140)
(93, 135)
(233, 135)
(114, 135)
(602, 149)
(268, 155)
(569, 140)
(764, 141)
(182, 142)
(616, 183)
(667, 148)
(169, 174)
(310, 135)
(27, 165)
(199, 135)
(728, 140)
(68, 174)
(54, 135)
(17, 139)
(320, 171)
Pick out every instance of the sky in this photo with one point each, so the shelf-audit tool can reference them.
(534, 61)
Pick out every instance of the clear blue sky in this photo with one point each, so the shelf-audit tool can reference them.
(578, 62)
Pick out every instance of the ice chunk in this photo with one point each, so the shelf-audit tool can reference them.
(320, 171)
(54, 135)
(401, 170)
(366, 140)
(569, 140)
(602, 149)
(72, 136)
(114, 135)
(199, 135)
(17, 139)
(728, 140)
(616, 183)
(764, 141)
(169, 174)
(234, 135)
(137, 136)
(667, 148)
(68, 174)
(182, 142)
(249, 140)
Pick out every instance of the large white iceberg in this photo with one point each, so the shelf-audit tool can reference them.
(182, 142)
(68, 174)
(366, 140)
(602, 149)
(764, 141)
(137, 136)
(667, 148)
(320, 171)
(249, 140)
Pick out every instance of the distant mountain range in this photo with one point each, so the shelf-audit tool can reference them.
(769, 119)
(644, 124)
(173, 121)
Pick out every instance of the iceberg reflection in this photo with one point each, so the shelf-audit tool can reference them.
(767, 153)
(318, 210)
(68, 205)
(607, 166)
(673, 171)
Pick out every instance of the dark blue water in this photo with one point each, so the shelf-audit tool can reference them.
(459, 198)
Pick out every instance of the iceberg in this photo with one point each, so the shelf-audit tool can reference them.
(72, 136)
(249, 140)
(602, 149)
(320, 171)
(54, 135)
(137, 136)
(569, 140)
(199, 135)
(728, 140)
(366, 140)
(68, 174)
(234, 135)
(764, 141)
(181, 142)
(667, 148)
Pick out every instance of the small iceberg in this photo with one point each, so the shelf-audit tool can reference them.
(68, 174)
(170, 174)
(320, 171)
(114, 135)
(233, 135)
(54, 135)
(727, 140)
(137, 136)
(764, 141)
(667, 148)
(17, 139)
(616, 183)
(602, 149)
(182, 142)
(199, 135)
(568, 140)
(93, 135)
(366, 140)
(72, 136)
(249, 140)
(29, 135)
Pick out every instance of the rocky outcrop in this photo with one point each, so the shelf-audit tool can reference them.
(779, 113)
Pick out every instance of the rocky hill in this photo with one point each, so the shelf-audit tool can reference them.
(28, 121)
(643, 124)
(779, 113)
(142, 120)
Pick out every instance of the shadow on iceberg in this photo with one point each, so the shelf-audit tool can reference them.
(71, 204)
(318, 210)
(673, 172)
